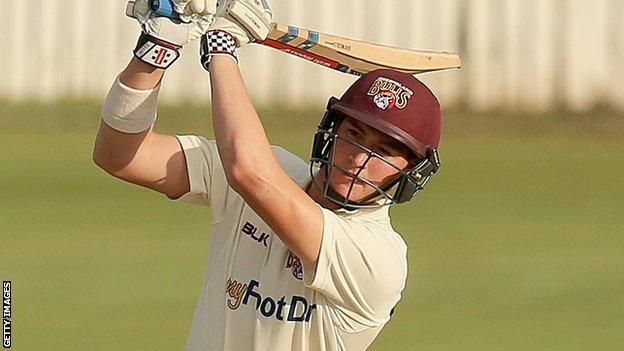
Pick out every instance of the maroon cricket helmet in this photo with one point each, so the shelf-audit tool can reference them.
(396, 104)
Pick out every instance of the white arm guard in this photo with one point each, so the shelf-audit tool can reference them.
(130, 110)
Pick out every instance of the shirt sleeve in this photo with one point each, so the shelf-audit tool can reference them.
(361, 271)
(208, 185)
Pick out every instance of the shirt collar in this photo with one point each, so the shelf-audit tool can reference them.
(378, 213)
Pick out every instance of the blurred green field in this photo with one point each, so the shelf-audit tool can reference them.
(516, 245)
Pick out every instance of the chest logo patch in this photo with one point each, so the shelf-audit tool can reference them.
(294, 264)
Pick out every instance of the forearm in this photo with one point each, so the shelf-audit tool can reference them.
(114, 149)
(252, 169)
(240, 135)
(139, 75)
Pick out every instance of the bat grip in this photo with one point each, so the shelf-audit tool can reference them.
(164, 8)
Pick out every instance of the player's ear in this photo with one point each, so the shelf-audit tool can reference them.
(413, 159)
(410, 156)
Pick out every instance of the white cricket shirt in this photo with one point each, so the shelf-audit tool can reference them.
(256, 293)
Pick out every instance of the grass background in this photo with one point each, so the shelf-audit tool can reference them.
(517, 244)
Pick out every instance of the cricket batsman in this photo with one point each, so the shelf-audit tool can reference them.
(302, 255)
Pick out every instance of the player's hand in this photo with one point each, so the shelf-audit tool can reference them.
(237, 23)
(162, 38)
(245, 20)
(190, 10)
(166, 29)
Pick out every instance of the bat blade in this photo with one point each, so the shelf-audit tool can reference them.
(355, 56)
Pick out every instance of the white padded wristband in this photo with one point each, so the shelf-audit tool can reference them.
(130, 110)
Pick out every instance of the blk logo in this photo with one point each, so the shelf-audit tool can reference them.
(252, 231)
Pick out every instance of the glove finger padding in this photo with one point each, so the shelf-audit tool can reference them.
(247, 20)
(190, 10)
(253, 15)
(227, 24)
(164, 28)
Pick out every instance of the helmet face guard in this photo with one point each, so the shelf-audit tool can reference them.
(407, 183)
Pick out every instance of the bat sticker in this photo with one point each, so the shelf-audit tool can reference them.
(293, 33)
(313, 39)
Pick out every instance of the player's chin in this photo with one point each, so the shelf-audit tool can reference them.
(350, 188)
(353, 193)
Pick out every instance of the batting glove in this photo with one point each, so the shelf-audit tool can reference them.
(190, 10)
(161, 39)
(237, 23)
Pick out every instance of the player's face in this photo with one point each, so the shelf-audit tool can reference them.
(350, 160)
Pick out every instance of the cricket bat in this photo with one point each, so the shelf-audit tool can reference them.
(339, 53)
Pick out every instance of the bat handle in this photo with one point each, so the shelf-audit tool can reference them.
(164, 8)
